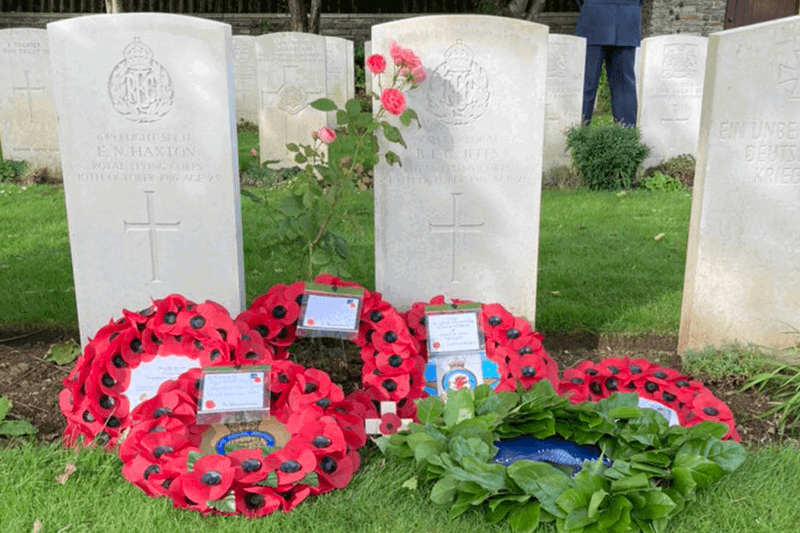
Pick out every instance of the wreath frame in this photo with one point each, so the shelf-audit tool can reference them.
(656, 468)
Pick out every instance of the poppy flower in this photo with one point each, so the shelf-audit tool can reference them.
(210, 478)
(180, 499)
(390, 423)
(415, 320)
(275, 303)
(132, 445)
(266, 325)
(314, 387)
(706, 406)
(389, 388)
(256, 501)
(327, 279)
(172, 404)
(391, 335)
(145, 474)
(249, 465)
(322, 436)
(496, 321)
(295, 497)
(335, 472)
(291, 463)
(284, 375)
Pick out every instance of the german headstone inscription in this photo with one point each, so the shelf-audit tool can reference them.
(27, 116)
(564, 95)
(148, 136)
(291, 75)
(742, 278)
(245, 78)
(671, 94)
(461, 216)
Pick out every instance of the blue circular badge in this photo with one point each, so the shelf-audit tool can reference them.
(268, 439)
(460, 378)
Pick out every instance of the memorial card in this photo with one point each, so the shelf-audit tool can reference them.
(453, 330)
(330, 311)
(233, 394)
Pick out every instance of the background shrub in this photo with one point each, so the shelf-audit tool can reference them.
(659, 181)
(607, 155)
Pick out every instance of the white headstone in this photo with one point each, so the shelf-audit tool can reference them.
(564, 95)
(245, 78)
(461, 216)
(367, 73)
(291, 75)
(27, 117)
(743, 259)
(672, 89)
(148, 137)
(340, 74)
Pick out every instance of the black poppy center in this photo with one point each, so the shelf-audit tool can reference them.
(262, 330)
(389, 385)
(150, 470)
(212, 477)
(328, 464)
(113, 422)
(161, 450)
(635, 369)
(213, 355)
(279, 311)
(395, 361)
(107, 380)
(591, 372)
(710, 411)
(390, 336)
(309, 388)
(251, 465)
(118, 361)
(513, 333)
(251, 355)
(88, 417)
(576, 381)
(170, 318)
(611, 384)
(595, 387)
(495, 320)
(324, 403)
(197, 322)
(660, 374)
(106, 402)
(376, 316)
(525, 350)
(651, 387)
(613, 369)
(136, 345)
(528, 372)
(161, 411)
(290, 467)
(668, 397)
(253, 500)
(321, 441)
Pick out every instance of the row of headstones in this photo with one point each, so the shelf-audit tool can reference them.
(294, 68)
(148, 140)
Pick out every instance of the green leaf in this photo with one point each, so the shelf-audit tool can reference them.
(63, 353)
(300, 158)
(392, 158)
(409, 115)
(617, 516)
(292, 147)
(270, 481)
(353, 107)
(728, 454)
(410, 484)
(393, 134)
(577, 519)
(291, 206)
(460, 448)
(429, 409)
(595, 501)
(224, 505)
(658, 505)
(542, 480)
(444, 490)
(320, 257)
(636, 482)
(340, 246)
(524, 518)
(459, 407)
(191, 459)
(311, 479)
(341, 118)
(5, 406)
(324, 104)
(425, 446)
(14, 428)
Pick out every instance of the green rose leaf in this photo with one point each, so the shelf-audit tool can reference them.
(320, 257)
(407, 116)
(300, 158)
(392, 158)
(393, 134)
(353, 107)
(292, 147)
(324, 104)
(291, 206)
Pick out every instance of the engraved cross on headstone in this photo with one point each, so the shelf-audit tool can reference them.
(674, 118)
(29, 89)
(152, 227)
(790, 76)
(454, 228)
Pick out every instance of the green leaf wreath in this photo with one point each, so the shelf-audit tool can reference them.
(656, 467)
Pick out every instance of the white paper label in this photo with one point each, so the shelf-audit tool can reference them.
(148, 377)
(453, 332)
(331, 312)
(232, 391)
(666, 412)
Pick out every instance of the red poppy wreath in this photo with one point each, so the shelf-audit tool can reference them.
(96, 399)
(688, 402)
(511, 343)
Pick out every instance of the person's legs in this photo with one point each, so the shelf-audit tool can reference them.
(591, 76)
(622, 83)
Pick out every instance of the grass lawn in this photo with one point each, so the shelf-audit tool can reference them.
(601, 267)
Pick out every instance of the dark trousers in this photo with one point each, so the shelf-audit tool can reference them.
(619, 62)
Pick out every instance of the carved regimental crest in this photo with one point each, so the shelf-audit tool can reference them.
(139, 87)
(680, 61)
(458, 89)
(291, 98)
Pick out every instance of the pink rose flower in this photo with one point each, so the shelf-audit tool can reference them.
(253, 152)
(376, 64)
(403, 56)
(393, 101)
(418, 75)
(326, 135)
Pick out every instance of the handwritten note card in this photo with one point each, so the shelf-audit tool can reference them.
(331, 312)
(233, 391)
(453, 332)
